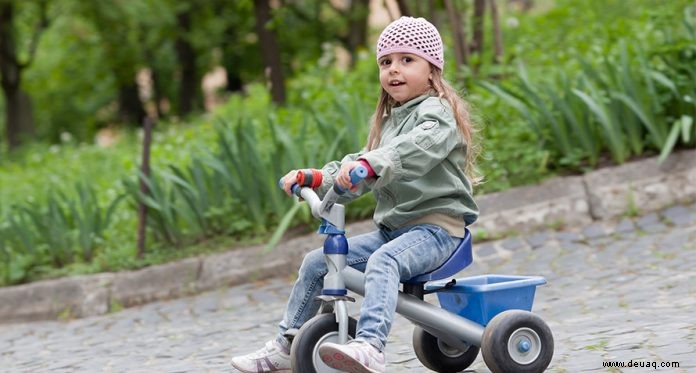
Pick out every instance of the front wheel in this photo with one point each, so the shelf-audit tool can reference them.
(304, 351)
(438, 355)
(517, 341)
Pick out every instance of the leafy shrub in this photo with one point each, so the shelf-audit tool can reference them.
(623, 104)
(217, 177)
(61, 232)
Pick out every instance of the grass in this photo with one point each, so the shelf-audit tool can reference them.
(632, 209)
(124, 258)
(533, 133)
(36, 168)
(599, 346)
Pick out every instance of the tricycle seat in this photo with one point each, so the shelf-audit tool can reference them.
(460, 259)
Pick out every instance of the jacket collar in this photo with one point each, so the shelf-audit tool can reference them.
(409, 105)
(400, 112)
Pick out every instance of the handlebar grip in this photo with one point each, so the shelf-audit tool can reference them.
(357, 174)
(293, 188)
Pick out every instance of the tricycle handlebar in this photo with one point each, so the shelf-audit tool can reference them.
(321, 209)
(357, 175)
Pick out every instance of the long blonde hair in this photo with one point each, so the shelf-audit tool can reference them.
(460, 109)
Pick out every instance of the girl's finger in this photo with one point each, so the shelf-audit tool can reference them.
(289, 181)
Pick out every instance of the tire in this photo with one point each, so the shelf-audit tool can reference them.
(436, 355)
(517, 341)
(304, 351)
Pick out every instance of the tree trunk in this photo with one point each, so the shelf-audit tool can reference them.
(404, 8)
(145, 171)
(433, 14)
(270, 52)
(130, 106)
(357, 34)
(19, 122)
(19, 118)
(479, 13)
(497, 34)
(188, 85)
(121, 58)
(461, 55)
(231, 60)
(234, 78)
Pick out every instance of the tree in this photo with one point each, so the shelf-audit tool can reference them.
(461, 50)
(465, 48)
(269, 50)
(479, 13)
(404, 8)
(357, 26)
(19, 116)
(324, 21)
(119, 38)
(497, 34)
(189, 83)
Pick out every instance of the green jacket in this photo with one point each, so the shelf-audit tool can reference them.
(419, 164)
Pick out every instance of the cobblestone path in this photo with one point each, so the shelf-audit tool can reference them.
(618, 291)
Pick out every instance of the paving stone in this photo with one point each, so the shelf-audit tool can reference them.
(569, 236)
(625, 295)
(538, 239)
(625, 226)
(599, 242)
(514, 243)
(485, 250)
(680, 215)
(594, 231)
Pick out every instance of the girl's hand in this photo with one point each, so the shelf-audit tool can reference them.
(343, 178)
(289, 180)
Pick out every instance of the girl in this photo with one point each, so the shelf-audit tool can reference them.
(420, 167)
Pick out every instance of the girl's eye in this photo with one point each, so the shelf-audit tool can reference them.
(385, 62)
(408, 59)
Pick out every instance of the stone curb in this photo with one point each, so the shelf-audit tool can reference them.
(635, 187)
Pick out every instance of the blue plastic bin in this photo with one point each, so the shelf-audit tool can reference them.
(480, 298)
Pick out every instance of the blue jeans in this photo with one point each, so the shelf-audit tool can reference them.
(386, 257)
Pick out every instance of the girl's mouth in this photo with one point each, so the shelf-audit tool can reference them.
(395, 83)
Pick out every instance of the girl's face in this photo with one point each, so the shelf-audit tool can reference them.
(404, 76)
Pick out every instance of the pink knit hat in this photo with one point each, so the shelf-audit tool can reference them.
(412, 35)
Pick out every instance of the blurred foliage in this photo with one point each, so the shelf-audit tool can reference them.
(621, 99)
(214, 177)
(66, 104)
(91, 51)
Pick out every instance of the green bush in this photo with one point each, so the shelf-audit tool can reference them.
(626, 102)
(579, 96)
(61, 232)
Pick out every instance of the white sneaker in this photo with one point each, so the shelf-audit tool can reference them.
(356, 356)
(273, 357)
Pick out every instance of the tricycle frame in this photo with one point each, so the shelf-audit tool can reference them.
(504, 349)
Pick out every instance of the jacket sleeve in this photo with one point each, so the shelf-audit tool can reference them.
(411, 155)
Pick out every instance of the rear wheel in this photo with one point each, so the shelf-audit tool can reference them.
(437, 355)
(517, 341)
(304, 352)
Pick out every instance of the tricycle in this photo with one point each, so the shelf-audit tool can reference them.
(486, 313)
